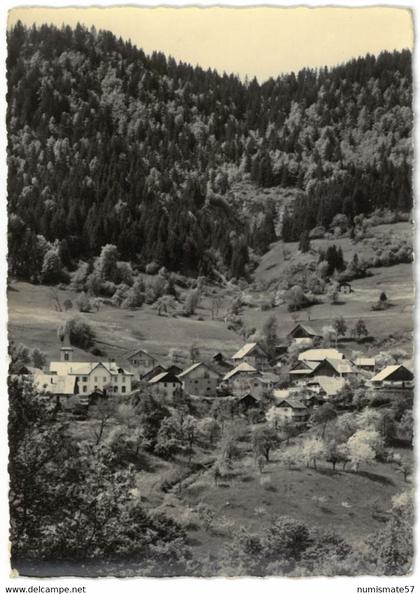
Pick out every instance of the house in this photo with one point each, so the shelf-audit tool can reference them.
(333, 368)
(320, 354)
(292, 410)
(303, 334)
(164, 385)
(93, 375)
(365, 363)
(302, 370)
(242, 379)
(394, 377)
(201, 379)
(141, 361)
(253, 354)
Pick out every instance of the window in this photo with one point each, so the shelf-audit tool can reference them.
(85, 379)
(95, 379)
(104, 379)
(174, 385)
(66, 357)
(123, 389)
(123, 379)
(84, 388)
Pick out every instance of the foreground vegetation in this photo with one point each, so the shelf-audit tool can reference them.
(125, 496)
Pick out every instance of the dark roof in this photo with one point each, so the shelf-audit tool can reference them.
(153, 372)
(291, 403)
(308, 329)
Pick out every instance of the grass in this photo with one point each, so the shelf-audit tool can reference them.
(345, 502)
(34, 321)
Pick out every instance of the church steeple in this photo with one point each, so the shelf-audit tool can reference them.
(66, 350)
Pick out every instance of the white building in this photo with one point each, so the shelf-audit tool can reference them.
(89, 376)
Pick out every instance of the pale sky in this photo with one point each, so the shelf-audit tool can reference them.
(262, 41)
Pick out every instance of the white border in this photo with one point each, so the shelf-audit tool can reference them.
(176, 585)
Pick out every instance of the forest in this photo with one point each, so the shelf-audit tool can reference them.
(107, 145)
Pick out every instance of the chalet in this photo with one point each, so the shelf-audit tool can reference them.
(292, 410)
(333, 368)
(303, 334)
(201, 379)
(141, 361)
(164, 385)
(393, 377)
(242, 379)
(92, 375)
(302, 370)
(365, 363)
(320, 354)
(253, 354)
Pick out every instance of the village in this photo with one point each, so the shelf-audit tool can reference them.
(293, 386)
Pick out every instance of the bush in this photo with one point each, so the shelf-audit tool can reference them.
(83, 303)
(80, 333)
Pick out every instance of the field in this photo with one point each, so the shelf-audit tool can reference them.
(352, 504)
(348, 503)
(33, 319)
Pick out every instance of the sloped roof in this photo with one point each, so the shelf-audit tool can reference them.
(320, 355)
(387, 372)
(164, 376)
(247, 349)
(340, 365)
(292, 403)
(241, 368)
(153, 372)
(331, 385)
(56, 384)
(137, 351)
(83, 367)
(199, 364)
(308, 330)
(308, 368)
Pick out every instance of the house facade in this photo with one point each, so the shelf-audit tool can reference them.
(91, 376)
(200, 379)
(303, 334)
(253, 354)
(395, 377)
(140, 361)
(164, 386)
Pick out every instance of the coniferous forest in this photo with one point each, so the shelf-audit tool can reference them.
(107, 145)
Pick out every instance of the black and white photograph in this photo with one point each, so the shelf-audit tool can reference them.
(210, 291)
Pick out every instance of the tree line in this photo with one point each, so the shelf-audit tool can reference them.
(109, 145)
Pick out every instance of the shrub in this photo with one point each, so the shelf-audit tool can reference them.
(80, 333)
(83, 303)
